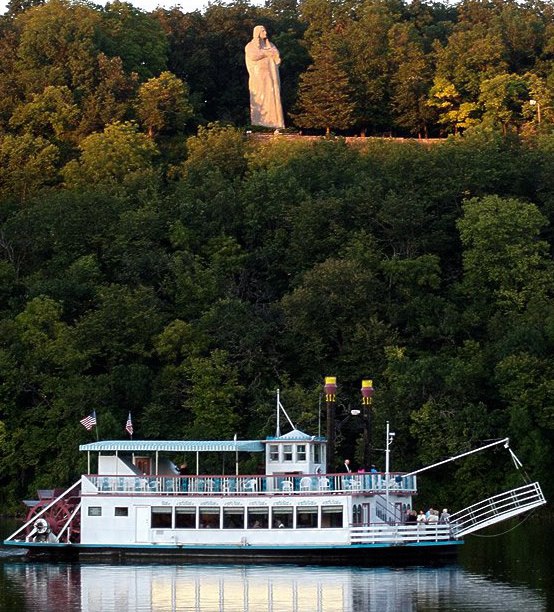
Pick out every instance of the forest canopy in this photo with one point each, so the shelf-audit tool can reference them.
(154, 259)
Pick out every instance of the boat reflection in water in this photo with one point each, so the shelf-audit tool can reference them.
(100, 587)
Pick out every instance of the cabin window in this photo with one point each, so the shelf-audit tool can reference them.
(317, 453)
(258, 518)
(274, 452)
(300, 452)
(331, 516)
(287, 452)
(233, 518)
(208, 518)
(95, 511)
(185, 518)
(282, 518)
(123, 511)
(160, 518)
(306, 516)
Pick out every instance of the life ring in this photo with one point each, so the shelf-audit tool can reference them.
(41, 526)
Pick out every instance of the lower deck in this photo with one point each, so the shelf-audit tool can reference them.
(279, 522)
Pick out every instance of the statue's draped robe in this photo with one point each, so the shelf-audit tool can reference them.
(264, 84)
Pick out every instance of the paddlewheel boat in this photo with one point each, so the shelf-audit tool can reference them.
(138, 503)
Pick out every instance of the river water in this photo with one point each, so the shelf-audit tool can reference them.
(509, 572)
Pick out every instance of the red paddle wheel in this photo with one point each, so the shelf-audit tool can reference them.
(51, 522)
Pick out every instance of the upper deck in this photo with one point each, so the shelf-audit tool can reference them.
(301, 484)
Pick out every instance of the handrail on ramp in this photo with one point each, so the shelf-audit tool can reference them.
(497, 508)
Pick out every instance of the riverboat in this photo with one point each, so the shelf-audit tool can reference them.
(138, 503)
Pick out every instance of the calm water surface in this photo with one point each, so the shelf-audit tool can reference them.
(510, 572)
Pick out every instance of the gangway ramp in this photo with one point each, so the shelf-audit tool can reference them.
(495, 509)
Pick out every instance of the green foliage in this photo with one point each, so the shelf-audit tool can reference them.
(324, 94)
(163, 104)
(120, 155)
(57, 46)
(503, 257)
(50, 114)
(187, 286)
(27, 164)
(135, 37)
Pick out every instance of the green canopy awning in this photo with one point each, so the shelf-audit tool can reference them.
(178, 446)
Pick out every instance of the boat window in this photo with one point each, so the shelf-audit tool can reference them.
(274, 452)
(282, 518)
(124, 511)
(233, 518)
(306, 516)
(258, 518)
(331, 516)
(208, 518)
(317, 453)
(185, 518)
(287, 452)
(95, 511)
(160, 518)
(300, 452)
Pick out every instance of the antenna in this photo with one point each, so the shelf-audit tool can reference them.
(278, 432)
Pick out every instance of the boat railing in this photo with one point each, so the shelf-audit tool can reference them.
(497, 508)
(400, 534)
(255, 485)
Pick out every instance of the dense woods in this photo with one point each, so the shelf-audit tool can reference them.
(155, 260)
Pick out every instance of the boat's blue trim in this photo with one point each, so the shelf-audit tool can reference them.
(193, 547)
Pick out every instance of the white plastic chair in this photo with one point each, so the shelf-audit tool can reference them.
(306, 483)
(323, 483)
(286, 486)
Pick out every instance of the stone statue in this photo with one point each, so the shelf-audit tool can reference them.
(262, 61)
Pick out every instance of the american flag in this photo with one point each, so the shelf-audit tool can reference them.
(90, 421)
(129, 425)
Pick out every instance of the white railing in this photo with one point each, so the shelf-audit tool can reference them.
(497, 508)
(254, 485)
(400, 534)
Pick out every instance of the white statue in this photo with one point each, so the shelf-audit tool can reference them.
(262, 61)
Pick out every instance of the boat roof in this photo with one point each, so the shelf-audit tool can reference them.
(179, 446)
(295, 435)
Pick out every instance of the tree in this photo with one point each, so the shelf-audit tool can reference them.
(117, 156)
(57, 46)
(324, 94)
(214, 396)
(111, 99)
(27, 163)
(50, 114)
(453, 113)
(364, 38)
(503, 98)
(505, 262)
(470, 56)
(134, 36)
(163, 104)
(411, 80)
